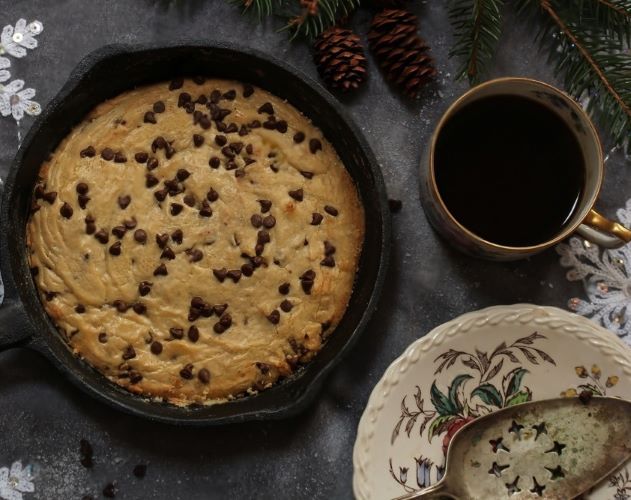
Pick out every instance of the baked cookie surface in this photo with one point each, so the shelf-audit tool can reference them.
(195, 240)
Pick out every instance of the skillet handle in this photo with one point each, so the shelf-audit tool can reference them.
(14, 324)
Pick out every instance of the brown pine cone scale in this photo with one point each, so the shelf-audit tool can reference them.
(340, 59)
(400, 51)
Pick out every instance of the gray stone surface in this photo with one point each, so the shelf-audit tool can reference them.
(42, 417)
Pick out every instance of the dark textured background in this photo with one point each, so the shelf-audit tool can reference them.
(42, 417)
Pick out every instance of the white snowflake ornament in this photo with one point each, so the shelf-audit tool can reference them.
(15, 40)
(16, 481)
(606, 275)
(15, 101)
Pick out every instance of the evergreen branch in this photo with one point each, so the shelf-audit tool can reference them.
(477, 25)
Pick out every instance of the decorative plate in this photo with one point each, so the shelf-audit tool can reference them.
(471, 366)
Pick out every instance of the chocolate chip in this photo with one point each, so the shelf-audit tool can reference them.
(265, 205)
(110, 490)
(90, 228)
(124, 201)
(263, 368)
(50, 197)
(248, 90)
(204, 376)
(150, 117)
(256, 220)
(50, 295)
(243, 131)
(223, 324)
(281, 126)
(198, 140)
(306, 174)
(161, 194)
(236, 147)
(144, 287)
(88, 152)
(204, 122)
(158, 143)
(103, 338)
(130, 224)
(286, 306)
(167, 253)
(161, 270)
(231, 165)
(270, 124)
(141, 157)
(274, 317)
(34, 206)
(329, 249)
(196, 116)
(307, 280)
(66, 211)
(79, 308)
(156, 347)
(195, 254)
(221, 140)
(269, 221)
(140, 235)
(234, 275)
(119, 231)
(227, 152)
(212, 195)
(176, 333)
(187, 372)
(82, 188)
(129, 353)
(259, 248)
(162, 239)
(139, 308)
(284, 288)
(102, 236)
(231, 129)
(182, 174)
(247, 269)
(177, 236)
(158, 107)
(315, 145)
(331, 210)
(215, 96)
(197, 303)
(183, 99)
(199, 80)
(316, 219)
(107, 154)
(262, 237)
(152, 163)
(176, 83)
(230, 95)
(254, 124)
(189, 200)
(220, 274)
(202, 99)
(328, 261)
(395, 206)
(83, 200)
(297, 194)
(120, 157)
(214, 162)
(267, 108)
(299, 137)
(193, 333)
(176, 208)
(115, 249)
(205, 211)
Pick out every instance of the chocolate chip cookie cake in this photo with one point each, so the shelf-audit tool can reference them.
(195, 240)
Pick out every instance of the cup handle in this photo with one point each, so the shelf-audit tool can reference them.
(604, 232)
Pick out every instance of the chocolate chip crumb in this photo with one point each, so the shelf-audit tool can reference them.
(297, 194)
(316, 219)
(124, 201)
(140, 470)
(156, 347)
(161, 270)
(331, 210)
(315, 145)
(284, 288)
(66, 211)
(395, 206)
(88, 152)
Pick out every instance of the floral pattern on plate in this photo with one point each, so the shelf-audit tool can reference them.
(469, 367)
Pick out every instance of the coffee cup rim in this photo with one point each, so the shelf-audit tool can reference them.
(587, 205)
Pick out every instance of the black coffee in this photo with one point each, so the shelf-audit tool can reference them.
(509, 170)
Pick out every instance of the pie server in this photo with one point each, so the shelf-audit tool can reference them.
(557, 448)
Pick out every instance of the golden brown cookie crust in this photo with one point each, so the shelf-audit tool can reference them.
(131, 332)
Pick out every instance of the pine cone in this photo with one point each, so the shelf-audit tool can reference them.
(401, 53)
(340, 58)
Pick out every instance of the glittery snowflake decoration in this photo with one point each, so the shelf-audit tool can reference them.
(16, 481)
(606, 275)
(15, 41)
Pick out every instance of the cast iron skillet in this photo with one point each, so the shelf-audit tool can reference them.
(108, 72)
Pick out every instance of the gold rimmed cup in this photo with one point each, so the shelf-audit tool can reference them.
(584, 219)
